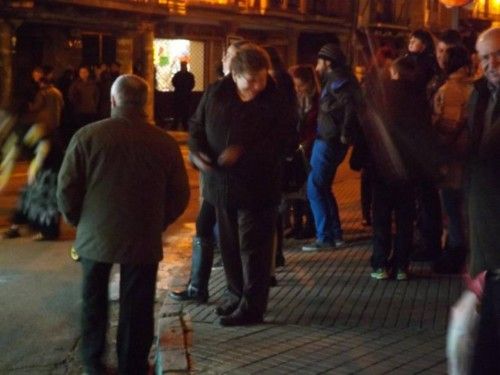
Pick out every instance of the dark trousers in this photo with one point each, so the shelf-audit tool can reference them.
(181, 112)
(429, 217)
(366, 195)
(486, 358)
(136, 320)
(205, 222)
(389, 198)
(452, 200)
(246, 242)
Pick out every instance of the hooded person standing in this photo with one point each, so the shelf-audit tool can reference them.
(337, 122)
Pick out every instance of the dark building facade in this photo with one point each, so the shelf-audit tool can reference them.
(65, 34)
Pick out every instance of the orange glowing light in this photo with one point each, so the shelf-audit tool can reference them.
(455, 3)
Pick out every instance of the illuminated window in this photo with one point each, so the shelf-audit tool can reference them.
(168, 54)
(491, 6)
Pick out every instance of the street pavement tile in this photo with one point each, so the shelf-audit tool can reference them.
(275, 371)
(328, 316)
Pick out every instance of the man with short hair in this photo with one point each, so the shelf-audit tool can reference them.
(202, 257)
(121, 184)
(238, 138)
(337, 121)
(483, 198)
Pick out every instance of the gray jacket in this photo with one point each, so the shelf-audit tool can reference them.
(121, 183)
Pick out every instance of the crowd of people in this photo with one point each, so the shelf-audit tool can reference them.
(418, 121)
(423, 124)
(406, 121)
(46, 112)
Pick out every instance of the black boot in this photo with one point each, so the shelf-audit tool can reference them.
(201, 267)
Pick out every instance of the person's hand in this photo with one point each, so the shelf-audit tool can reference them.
(32, 171)
(344, 140)
(34, 134)
(230, 156)
(201, 161)
(4, 179)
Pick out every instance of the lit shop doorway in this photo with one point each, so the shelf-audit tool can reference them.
(168, 55)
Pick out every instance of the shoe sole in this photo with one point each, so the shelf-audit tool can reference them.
(379, 277)
(182, 299)
(307, 249)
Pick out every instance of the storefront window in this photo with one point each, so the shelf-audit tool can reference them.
(168, 54)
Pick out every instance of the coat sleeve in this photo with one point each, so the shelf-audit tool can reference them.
(197, 132)
(177, 192)
(71, 184)
(352, 103)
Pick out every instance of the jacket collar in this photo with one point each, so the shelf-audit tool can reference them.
(461, 74)
(130, 114)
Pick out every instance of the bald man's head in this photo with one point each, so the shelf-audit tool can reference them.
(488, 50)
(129, 90)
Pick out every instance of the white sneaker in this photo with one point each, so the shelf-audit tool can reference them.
(318, 245)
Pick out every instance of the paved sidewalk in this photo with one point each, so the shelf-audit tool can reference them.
(325, 316)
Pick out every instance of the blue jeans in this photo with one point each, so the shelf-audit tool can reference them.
(325, 159)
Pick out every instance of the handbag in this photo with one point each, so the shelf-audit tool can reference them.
(462, 332)
(295, 171)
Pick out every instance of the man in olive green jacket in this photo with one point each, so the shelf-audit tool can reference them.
(121, 184)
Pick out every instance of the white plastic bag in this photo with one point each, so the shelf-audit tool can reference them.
(462, 331)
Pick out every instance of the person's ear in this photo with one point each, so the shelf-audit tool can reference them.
(113, 101)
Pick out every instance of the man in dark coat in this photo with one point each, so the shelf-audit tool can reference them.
(483, 197)
(183, 82)
(237, 139)
(121, 184)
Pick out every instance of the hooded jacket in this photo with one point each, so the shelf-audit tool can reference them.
(339, 104)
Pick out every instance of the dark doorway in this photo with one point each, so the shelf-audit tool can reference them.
(97, 48)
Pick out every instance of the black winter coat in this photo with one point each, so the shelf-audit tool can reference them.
(483, 183)
(261, 126)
